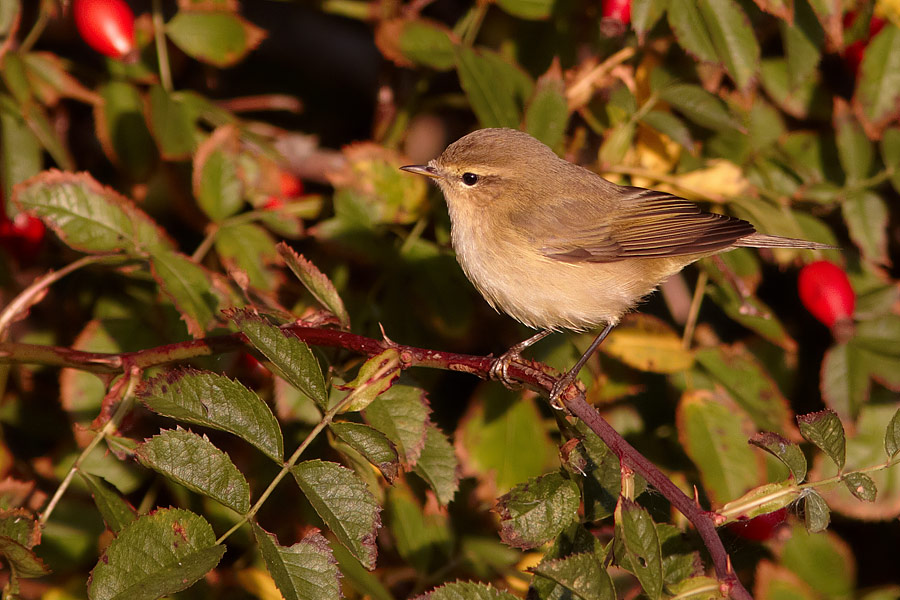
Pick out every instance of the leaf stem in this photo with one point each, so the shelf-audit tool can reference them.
(162, 53)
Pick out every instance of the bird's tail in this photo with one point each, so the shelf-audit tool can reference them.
(759, 240)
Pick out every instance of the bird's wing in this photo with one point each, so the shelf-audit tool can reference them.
(642, 224)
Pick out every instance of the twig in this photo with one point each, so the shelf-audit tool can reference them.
(535, 375)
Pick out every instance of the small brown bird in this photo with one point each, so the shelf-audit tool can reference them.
(556, 246)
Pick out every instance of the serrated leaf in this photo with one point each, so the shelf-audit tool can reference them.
(401, 413)
(642, 546)
(316, 282)
(877, 95)
(825, 430)
(375, 376)
(305, 571)
(892, 436)
(464, 590)
(528, 9)
(291, 358)
(784, 450)
(115, 510)
(645, 14)
(733, 38)
(20, 151)
(536, 511)
(602, 475)
(156, 555)
(21, 561)
(427, 43)
(714, 436)
(250, 248)
(216, 183)
(582, 575)
(855, 151)
(861, 485)
(372, 444)
(438, 465)
(496, 90)
(845, 380)
(866, 216)
(219, 38)
(88, 216)
(816, 515)
(172, 124)
(215, 401)
(344, 503)
(648, 344)
(194, 462)
(190, 288)
(748, 383)
(547, 112)
(690, 30)
(122, 129)
(699, 106)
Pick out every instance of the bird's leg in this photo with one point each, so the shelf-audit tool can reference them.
(566, 380)
(500, 367)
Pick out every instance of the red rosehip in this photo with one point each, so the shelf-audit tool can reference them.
(826, 293)
(106, 25)
(291, 186)
(761, 528)
(22, 236)
(616, 15)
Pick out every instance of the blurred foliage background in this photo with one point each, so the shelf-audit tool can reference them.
(226, 128)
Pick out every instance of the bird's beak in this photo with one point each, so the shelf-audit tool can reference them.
(426, 170)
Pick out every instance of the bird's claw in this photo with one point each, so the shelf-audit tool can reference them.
(500, 369)
(560, 389)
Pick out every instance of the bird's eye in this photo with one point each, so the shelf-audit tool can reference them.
(470, 178)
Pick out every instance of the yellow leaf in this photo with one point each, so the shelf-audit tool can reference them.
(648, 344)
(720, 179)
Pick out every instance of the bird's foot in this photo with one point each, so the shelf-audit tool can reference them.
(560, 390)
(500, 368)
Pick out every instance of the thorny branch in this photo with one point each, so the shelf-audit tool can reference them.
(532, 374)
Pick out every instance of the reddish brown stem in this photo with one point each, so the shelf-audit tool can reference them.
(535, 375)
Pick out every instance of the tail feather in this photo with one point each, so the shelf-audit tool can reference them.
(759, 240)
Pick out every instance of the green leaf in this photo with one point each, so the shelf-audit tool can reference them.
(215, 401)
(890, 154)
(877, 95)
(88, 216)
(499, 425)
(699, 106)
(750, 312)
(645, 14)
(845, 380)
(316, 282)
(305, 571)
(642, 548)
(401, 413)
(528, 9)
(250, 248)
(427, 43)
(670, 125)
(438, 465)
(496, 90)
(372, 444)
(172, 124)
(582, 575)
(892, 436)
(216, 180)
(464, 590)
(784, 450)
(21, 561)
(375, 376)
(618, 140)
(219, 38)
(861, 485)
(536, 511)
(825, 430)
(690, 30)
(194, 462)
(855, 151)
(824, 562)
(803, 41)
(547, 113)
(808, 99)
(115, 510)
(291, 358)
(423, 538)
(762, 500)
(189, 286)
(733, 38)
(344, 503)
(816, 515)
(156, 555)
(601, 474)
(21, 155)
(749, 384)
(122, 129)
(866, 216)
(713, 435)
